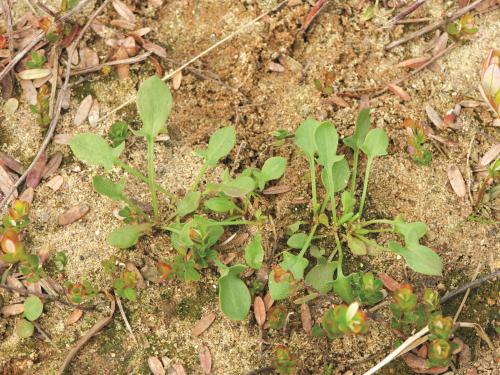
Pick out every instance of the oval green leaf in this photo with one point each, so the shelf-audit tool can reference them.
(94, 150)
(254, 252)
(106, 187)
(33, 308)
(376, 143)
(154, 103)
(128, 235)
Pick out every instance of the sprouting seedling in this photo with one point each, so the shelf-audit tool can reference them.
(344, 319)
(463, 27)
(36, 61)
(41, 109)
(118, 133)
(33, 309)
(416, 142)
(283, 362)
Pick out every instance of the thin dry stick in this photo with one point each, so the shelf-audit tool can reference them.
(54, 54)
(434, 26)
(83, 340)
(37, 38)
(471, 285)
(469, 170)
(414, 20)
(44, 335)
(96, 68)
(124, 317)
(474, 277)
(60, 98)
(8, 19)
(197, 57)
(405, 12)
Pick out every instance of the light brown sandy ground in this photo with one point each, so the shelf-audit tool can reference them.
(258, 102)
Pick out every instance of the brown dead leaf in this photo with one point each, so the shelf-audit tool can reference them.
(6, 182)
(140, 280)
(62, 139)
(32, 74)
(124, 11)
(422, 351)
(268, 301)
(389, 283)
(14, 282)
(434, 116)
(53, 165)
(313, 13)
(74, 317)
(94, 113)
(73, 214)
(156, 366)
(124, 24)
(337, 100)
(470, 103)
(11, 310)
(275, 67)
(203, 324)
(29, 91)
(305, 317)
(457, 181)
(179, 369)
(122, 70)
(490, 155)
(141, 32)
(399, 91)
(414, 63)
(156, 3)
(83, 110)
(205, 359)
(420, 366)
(35, 175)
(154, 48)
(176, 80)
(440, 45)
(55, 183)
(279, 189)
(27, 195)
(259, 310)
(88, 58)
(11, 163)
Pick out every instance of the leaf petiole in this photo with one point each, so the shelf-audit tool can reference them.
(151, 177)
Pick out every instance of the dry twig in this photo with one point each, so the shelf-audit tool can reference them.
(405, 12)
(96, 68)
(124, 317)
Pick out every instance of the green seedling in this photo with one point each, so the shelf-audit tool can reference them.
(462, 28)
(60, 260)
(33, 309)
(125, 285)
(417, 148)
(283, 362)
(41, 109)
(345, 226)
(118, 133)
(36, 61)
(441, 347)
(77, 293)
(276, 317)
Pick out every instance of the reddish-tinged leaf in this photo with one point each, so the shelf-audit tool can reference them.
(399, 91)
(6, 182)
(73, 214)
(279, 189)
(124, 11)
(140, 280)
(389, 283)
(457, 181)
(74, 317)
(53, 165)
(203, 324)
(11, 163)
(414, 63)
(83, 110)
(422, 351)
(156, 366)
(68, 39)
(268, 301)
(12, 310)
(205, 359)
(122, 70)
(33, 178)
(259, 310)
(305, 317)
(460, 345)
(440, 44)
(141, 32)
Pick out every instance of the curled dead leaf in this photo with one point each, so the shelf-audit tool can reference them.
(124, 11)
(74, 317)
(414, 63)
(389, 283)
(268, 301)
(11, 310)
(279, 189)
(55, 183)
(11, 163)
(73, 214)
(259, 310)
(434, 116)
(203, 324)
(457, 181)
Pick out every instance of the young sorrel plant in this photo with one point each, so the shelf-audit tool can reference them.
(346, 225)
(200, 216)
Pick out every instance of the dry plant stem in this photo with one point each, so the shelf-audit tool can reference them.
(130, 60)
(124, 317)
(471, 285)
(405, 12)
(462, 304)
(469, 170)
(37, 38)
(60, 97)
(55, 76)
(48, 297)
(8, 20)
(434, 26)
(83, 340)
(197, 57)
(44, 335)
(414, 20)
(398, 351)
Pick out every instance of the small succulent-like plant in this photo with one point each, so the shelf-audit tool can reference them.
(283, 361)
(344, 319)
(463, 27)
(417, 148)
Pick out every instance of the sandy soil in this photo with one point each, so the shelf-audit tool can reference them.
(258, 101)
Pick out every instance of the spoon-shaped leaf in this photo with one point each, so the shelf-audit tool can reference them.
(340, 176)
(295, 264)
(376, 143)
(220, 144)
(154, 103)
(33, 308)
(279, 289)
(254, 252)
(128, 235)
(320, 277)
(342, 287)
(188, 204)
(356, 140)
(304, 137)
(94, 150)
(239, 187)
(326, 139)
(419, 258)
(110, 189)
(234, 296)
